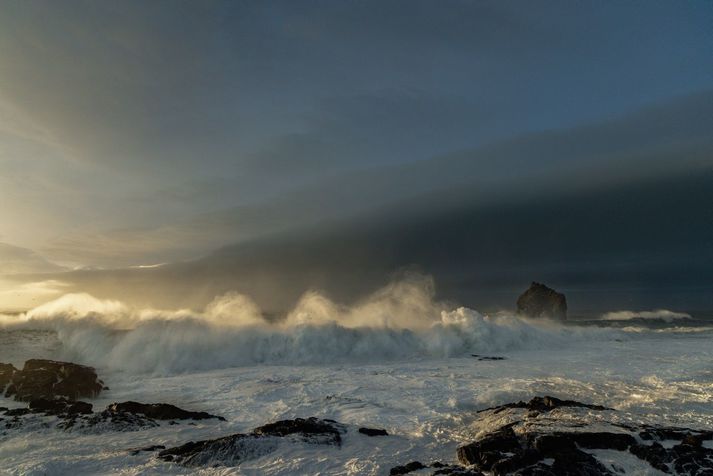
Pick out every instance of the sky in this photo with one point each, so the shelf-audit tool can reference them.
(136, 134)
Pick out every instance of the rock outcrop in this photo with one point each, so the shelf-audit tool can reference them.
(234, 449)
(541, 301)
(49, 379)
(60, 407)
(437, 467)
(160, 411)
(328, 431)
(72, 415)
(548, 436)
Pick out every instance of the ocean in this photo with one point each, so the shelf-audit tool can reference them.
(397, 361)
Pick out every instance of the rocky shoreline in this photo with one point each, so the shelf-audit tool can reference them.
(544, 436)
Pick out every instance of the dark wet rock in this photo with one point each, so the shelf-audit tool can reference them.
(373, 431)
(517, 460)
(575, 463)
(6, 373)
(440, 469)
(127, 416)
(531, 438)
(306, 427)
(583, 439)
(673, 433)
(654, 454)
(407, 468)
(545, 404)
(48, 379)
(541, 301)
(78, 407)
(14, 423)
(106, 421)
(135, 451)
(689, 459)
(60, 407)
(228, 450)
(72, 415)
(486, 357)
(487, 451)
(234, 449)
(455, 470)
(160, 411)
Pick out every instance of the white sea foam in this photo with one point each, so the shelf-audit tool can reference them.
(661, 314)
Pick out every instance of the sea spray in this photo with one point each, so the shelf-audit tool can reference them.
(400, 321)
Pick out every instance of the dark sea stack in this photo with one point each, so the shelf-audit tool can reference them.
(160, 411)
(49, 379)
(541, 301)
(6, 373)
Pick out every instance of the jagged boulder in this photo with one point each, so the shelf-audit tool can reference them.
(49, 379)
(541, 301)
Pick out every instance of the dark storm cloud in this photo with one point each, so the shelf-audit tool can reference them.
(273, 93)
(650, 143)
(620, 207)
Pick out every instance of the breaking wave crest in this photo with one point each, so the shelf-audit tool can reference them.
(399, 321)
(659, 314)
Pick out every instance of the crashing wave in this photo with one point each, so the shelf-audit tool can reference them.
(399, 321)
(660, 314)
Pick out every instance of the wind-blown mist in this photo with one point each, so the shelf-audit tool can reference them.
(399, 321)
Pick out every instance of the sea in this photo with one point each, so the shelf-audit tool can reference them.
(398, 360)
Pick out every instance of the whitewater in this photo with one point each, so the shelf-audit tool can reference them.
(398, 360)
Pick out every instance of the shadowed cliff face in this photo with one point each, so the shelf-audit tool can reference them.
(647, 244)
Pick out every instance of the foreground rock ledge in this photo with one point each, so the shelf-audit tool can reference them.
(78, 416)
(234, 449)
(548, 437)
